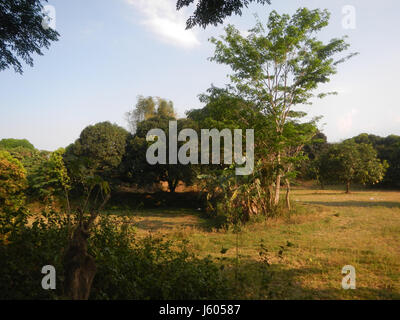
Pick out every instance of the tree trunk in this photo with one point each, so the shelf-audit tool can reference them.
(277, 189)
(348, 187)
(80, 267)
(278, 182)
(172, 186)
(288, 194)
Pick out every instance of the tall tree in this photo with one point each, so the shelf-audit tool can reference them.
(22, 33)
(214, 11)
(278, 67)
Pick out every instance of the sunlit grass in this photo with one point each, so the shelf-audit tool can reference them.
(305, 251)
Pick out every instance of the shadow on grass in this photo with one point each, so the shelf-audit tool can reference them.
(365, 204)
(277, 282)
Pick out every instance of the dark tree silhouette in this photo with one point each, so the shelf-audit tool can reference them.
(22, 33)
(214, 11)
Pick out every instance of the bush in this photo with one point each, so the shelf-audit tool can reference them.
(151, 268)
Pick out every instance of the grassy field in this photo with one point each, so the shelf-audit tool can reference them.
(298, 256)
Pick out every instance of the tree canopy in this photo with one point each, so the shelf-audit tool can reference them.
(276, 67)
(213, 12)
(12, 182)
(22, 33)
(147, 108)
(14, 143)
(349, 162)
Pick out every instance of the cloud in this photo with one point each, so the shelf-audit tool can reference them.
(162, 18)
(345, 123)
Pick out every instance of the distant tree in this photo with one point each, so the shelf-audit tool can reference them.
(349, 162)
(15, 143)
(313, 150)
(147, 108)
(22, 33)
(102, 146)
(12, 182)
(50, 178)
(93, 160)
(140, 172)
(214, 11)
(388, 149)
(12, 199)
(318, 144)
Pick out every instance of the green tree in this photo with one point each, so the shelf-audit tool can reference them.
(15, 143)
(22, 33)
(12, 185)
(12, 182)
(51, 178)
(278, 67)
(388, 149)
(139, 171)
(214, 11)
(350, 162)
(93, 161)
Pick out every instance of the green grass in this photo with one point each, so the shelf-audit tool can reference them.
(303, 253)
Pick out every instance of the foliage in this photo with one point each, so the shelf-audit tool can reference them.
(96, 155)
(349, 162)
(14, 143)
(234, 200)
(12, 185)
(276, 68)
(151, 268)
(215, 11)
(51, 177)
(147, 108)
(139, 171)
(388, 148)
(22, 33)
(126, 268)
(12, 182)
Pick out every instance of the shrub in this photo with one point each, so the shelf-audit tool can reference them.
(127, 268)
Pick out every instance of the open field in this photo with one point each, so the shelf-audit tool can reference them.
(298, 256)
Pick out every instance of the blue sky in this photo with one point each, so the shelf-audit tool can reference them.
(111, 51)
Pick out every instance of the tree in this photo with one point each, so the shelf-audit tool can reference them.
(277, 68)
(147, 108)
(51, 177)
(214, 11)
(12, 182)
(15, 143)
(388, 149)
(93, 160)
(349, 162)
(93, 164)
(22, 33)
(139, 171)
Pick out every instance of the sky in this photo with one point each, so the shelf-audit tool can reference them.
(111, 51)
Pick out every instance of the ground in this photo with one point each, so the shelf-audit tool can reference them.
(300, 256)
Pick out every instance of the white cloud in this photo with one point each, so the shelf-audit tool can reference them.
(345, 123)
(162, 18)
